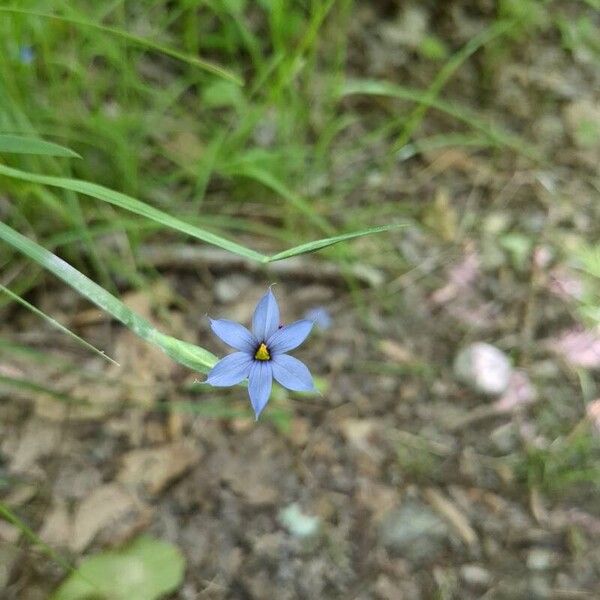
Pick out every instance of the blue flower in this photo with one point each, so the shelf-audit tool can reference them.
(26, 55)
(261, 354)
(319, 316)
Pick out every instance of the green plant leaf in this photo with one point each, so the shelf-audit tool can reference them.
(193, 357)
(371, 87)
(135, 206)
(145, 210)
(135, 39)
(55, 323)
(147, 569)
(324, 243)
(17, 144)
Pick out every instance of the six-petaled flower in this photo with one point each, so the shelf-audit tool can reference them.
(261, 354)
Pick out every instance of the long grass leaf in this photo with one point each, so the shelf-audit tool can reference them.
(17, 144)
(371, 87)
(187, 354)
(416, 117)
(56, 324)
(136, 206)
(10, 517)
(324, 243)
(269, 180)
(135, 39)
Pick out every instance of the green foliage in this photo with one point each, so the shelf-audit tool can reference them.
(580, 35)
(134, 39)
(566, 463)
(588, 260)
(526, 14)
(193, 357)
(17, 144)
(495, 135)
(55, 323)
(147, 569)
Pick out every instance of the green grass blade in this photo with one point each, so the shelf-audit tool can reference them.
(187, 354)
(371, 87)
(56, 324)
(269, 180)
(31, 386)
(16, 144)
(10, 517)
(324, 243)
(136, 206)
(499, 28)
(135, 39)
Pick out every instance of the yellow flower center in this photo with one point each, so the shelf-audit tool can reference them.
(262, 353)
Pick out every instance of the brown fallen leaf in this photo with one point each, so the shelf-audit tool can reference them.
(57, 529)
(38, 439)
(110, 510)
(152, 469)
(362, 435)
(395, 352)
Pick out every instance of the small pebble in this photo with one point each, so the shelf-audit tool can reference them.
(483, 367)
(475, 576)
(540, 559)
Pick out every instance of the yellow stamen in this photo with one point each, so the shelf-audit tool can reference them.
(262, 353)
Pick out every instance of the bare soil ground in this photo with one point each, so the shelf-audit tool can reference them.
(421, 487)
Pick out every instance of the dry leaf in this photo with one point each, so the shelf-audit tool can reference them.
(110, 510)
(154, 468)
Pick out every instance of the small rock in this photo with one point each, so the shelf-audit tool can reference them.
(540, 559)
(414, 531)
(298, 523)
(475, 576)
(485, 368)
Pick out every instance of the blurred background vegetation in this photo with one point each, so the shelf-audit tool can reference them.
(474, 125)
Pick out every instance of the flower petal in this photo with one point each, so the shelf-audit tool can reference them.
(230, 370)
(234, 334)
(292, 374)
(260, 381)
(266, 317)
(289, 337)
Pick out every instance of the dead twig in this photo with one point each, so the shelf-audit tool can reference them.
(184, 256)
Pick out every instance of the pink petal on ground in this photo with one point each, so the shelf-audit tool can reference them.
(460, 278)
(565, 284)
(520, 392)
(579, 348)
(592, 412)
